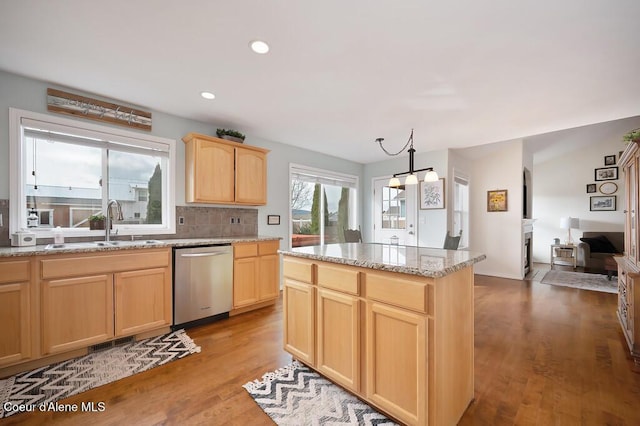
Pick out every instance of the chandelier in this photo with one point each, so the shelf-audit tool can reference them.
(411, 179)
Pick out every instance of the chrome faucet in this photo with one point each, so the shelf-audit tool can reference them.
(109, 218)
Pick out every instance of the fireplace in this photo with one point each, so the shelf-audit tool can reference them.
(527, 239)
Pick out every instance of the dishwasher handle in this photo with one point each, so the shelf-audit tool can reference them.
(209, 254)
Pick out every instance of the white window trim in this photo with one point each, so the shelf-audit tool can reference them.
(17, 182)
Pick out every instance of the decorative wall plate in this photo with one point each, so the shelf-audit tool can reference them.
(608, 188)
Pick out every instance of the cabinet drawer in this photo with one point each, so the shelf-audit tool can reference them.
(14, 271)
(268, 247)
(127, 260)
(245, 250)
(404, 292)
(345, 279)
(300, 270)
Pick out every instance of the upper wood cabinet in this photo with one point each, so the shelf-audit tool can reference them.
(223, 172)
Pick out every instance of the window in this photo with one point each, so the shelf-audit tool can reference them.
(323, 204)
(64, 171)
(461, 209)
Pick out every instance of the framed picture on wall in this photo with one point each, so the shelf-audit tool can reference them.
(607, 173)
(602, 203)
(609, 160)
(591, 187)
(432, 195)
(497, 200)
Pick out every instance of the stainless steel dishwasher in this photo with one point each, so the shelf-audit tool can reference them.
(202, 284)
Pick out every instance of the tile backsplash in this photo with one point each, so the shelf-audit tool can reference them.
(191, 222)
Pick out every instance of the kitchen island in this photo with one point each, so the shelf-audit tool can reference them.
(392, 324)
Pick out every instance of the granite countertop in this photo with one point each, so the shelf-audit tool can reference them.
(91, 246)
(427, 262)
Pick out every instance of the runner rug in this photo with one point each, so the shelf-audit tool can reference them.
(38, 388)
(581, 280)
(296, 395)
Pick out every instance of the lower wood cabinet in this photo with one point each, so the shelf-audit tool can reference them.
(76, 312)
(92, 298)
(397, 361)
(338, 346)
(402, 342)
(256, 273)
(299, 325)
(16, 314)
(142, 300)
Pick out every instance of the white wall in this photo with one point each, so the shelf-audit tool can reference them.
(498, 234)
(28, 94)
(559, 189)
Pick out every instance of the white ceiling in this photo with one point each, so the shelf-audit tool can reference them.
(342, 73)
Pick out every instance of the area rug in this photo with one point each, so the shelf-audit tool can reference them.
(581, 280)
(42, 387)
(296, 395)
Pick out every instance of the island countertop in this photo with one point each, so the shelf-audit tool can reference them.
(424, 261)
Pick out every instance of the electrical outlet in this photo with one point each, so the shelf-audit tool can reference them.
(237, 220)
(181, 220)
(233, 220)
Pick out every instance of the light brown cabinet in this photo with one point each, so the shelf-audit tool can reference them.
(629, 264)
(256, 274)
(92, 298)
(402, 342)
(299, 306)
(16, 315)
(224, 172)
(76, 312)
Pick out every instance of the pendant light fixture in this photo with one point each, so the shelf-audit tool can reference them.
(412, 178)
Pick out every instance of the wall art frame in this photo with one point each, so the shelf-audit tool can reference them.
(497, 200)
(591, 187)
(602, 203)
(273, 219)
(610, 160)
(606, 173)
(432, 195)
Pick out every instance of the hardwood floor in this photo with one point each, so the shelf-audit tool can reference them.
(544, 355)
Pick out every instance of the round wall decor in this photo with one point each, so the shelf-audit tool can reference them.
(608, 188)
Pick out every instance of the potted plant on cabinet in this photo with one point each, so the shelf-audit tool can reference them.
(96, 221)
(632, 136)
(230, 135)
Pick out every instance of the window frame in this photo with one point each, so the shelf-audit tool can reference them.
(325, 177)
(17, 182)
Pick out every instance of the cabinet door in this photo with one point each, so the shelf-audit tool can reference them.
(15, 317)
(397, 362)
(299, 320)
(339, 338)
(143, 300)
(251, 176)
(213, 172)
(631, 199)
(76, 312)
(268, 286)
(245, 281)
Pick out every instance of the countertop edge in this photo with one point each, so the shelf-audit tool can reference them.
(390, 268)
(7, 252)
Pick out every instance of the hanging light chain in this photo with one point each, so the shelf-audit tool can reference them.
(410, 141)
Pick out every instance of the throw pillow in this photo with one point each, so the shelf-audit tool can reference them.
(599, 244)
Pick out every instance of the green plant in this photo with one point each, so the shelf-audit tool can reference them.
(234, 133)
(96, 217)
(632, 136)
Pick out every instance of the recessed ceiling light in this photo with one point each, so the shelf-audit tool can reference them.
(207, 95)
(259, 46)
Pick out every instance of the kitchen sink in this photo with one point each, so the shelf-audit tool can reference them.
(93, 244)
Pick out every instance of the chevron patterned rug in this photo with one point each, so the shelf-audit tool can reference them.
(39, 388)
(295, 395)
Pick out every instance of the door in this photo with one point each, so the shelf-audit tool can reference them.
(395, 211)
(141, 300)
